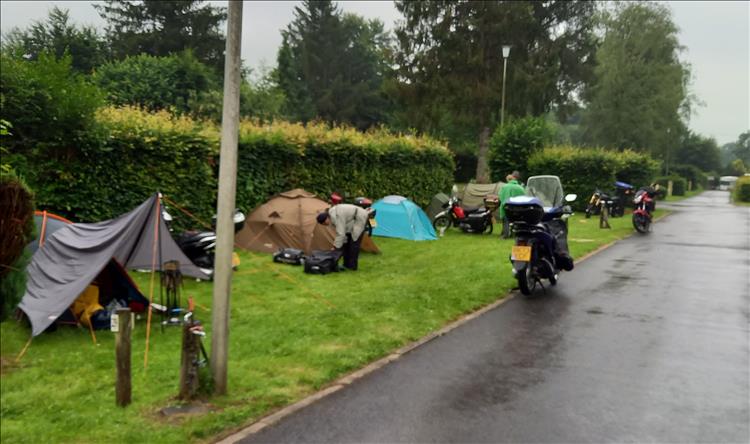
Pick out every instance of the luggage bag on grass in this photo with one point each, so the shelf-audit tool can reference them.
(322, 262)
(291, 256)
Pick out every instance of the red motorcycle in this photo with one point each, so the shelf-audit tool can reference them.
(470, 220)
(644, 206)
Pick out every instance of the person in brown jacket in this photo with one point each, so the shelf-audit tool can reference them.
(350, 222)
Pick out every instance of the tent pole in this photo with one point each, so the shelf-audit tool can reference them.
(151, 285)
(44, 229)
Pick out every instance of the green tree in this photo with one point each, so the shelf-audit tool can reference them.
(177, 81)
(736, 168)
(513, 144)
(449, 63)
(701, 152)
(161, 28)
(260, 99)
(639, 96)
(51, 107)
(741, 149)
(332, 65)
(56, 35)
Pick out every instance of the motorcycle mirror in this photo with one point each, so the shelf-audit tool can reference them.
(571, 197)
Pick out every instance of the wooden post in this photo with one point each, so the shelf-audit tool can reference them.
(669, 188)
(189, 382)
(122, 353)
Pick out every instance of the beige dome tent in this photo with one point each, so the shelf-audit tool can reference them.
(288, 221)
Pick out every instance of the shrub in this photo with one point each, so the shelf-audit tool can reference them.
(280, 156)
(582, 170)
(742, 189)
(692, 174)
(16, 230)
(679, 184)
(512, 145)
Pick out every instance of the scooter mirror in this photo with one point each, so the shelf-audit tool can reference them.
(571, 197)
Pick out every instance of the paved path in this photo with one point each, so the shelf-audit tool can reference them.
(645, 342)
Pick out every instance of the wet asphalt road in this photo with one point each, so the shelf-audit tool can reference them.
(645, 342)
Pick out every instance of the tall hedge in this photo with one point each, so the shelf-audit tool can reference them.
(582, 170)
(277, 157)
(128, 155)
(679, 184)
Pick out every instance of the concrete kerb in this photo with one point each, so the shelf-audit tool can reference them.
(366, 370)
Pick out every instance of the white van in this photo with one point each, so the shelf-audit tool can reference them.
(726, 183)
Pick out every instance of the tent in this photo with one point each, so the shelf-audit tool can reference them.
(112, 282)
(399, 217)
(436, 205)
(472, 195)
(72, 257)
(288, 221)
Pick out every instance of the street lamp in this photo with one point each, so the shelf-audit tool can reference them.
(506, 53)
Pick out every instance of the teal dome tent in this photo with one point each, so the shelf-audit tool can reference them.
(399, 217)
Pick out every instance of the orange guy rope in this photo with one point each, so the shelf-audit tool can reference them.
(151, 285)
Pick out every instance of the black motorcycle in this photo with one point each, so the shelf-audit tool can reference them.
(614, 202)
(470, 220)
(541, 231)
(200, 246)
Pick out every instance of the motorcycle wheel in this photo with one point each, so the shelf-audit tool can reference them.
(640, 223)
(441, 224)
(526, 281)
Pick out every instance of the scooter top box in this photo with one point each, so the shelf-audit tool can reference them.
(524, 209)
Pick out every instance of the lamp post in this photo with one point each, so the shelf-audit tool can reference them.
(506, 53)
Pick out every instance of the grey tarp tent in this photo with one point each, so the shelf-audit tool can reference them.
(436, 205)
(472, 195)
(75, 254)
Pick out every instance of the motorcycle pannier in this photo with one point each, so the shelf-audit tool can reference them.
(322, 262)
(477, 221)
(289, 256)
(528, 213)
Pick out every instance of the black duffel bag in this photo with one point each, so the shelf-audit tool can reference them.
(322, 262)
(291, 256)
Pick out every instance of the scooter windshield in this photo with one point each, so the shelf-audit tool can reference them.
(548, 189)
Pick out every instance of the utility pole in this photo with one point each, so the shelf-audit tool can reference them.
(230, 122)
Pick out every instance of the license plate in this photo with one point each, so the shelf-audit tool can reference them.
(520, 253)
(373, 224)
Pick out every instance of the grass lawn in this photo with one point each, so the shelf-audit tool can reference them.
(290, 335)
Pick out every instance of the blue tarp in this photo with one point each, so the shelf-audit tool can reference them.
(399, 217)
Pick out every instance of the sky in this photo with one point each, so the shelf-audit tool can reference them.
(715, 34)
